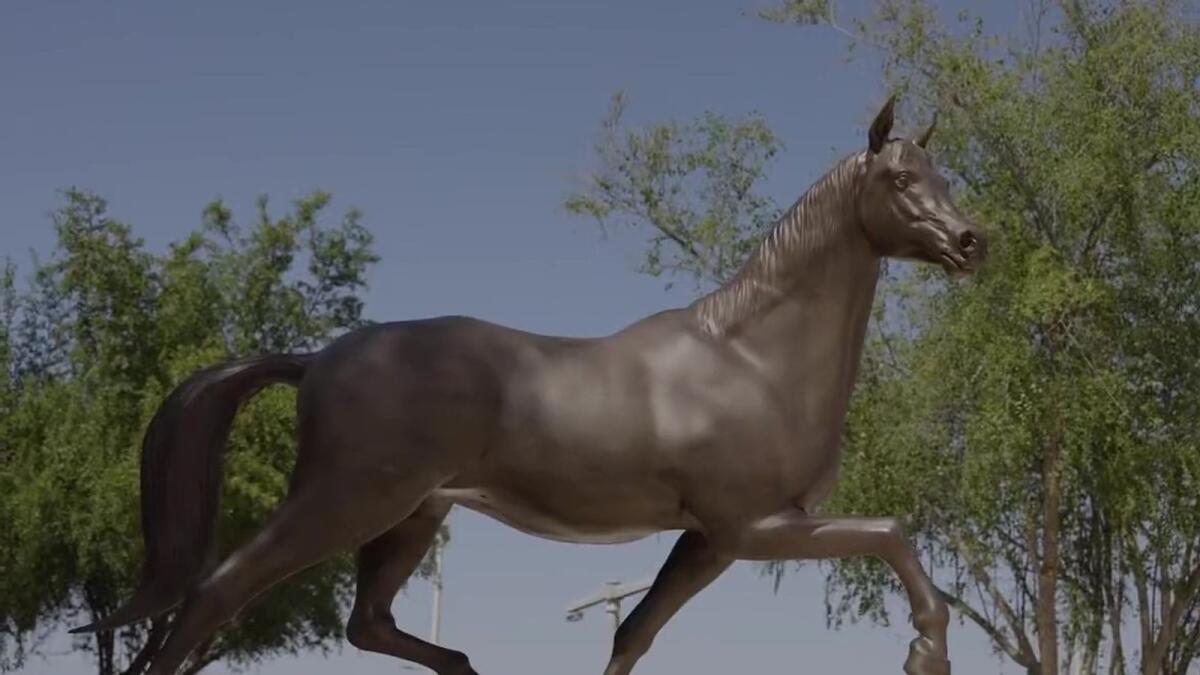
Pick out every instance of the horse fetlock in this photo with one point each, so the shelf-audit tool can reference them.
(620, 665)
(933, 621)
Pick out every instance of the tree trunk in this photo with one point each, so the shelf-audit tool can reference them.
(1091, 653)
(1047, 609)
(1116, 603)
(201, 658)
(1073, 666)
(1184, 651)
(95, 597)
(1174, 603)
(105, 648)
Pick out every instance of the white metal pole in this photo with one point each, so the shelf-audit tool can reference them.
(614, 611)
(437, 594)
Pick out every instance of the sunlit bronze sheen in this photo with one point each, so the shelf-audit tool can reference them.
(721, 419)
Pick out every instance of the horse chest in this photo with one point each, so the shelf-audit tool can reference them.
(757, 447)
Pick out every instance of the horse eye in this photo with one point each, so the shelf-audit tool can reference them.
(902, 180)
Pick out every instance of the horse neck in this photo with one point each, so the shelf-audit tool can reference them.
(807, 288)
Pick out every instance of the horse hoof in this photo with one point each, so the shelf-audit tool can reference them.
(459, 665)
(923, 659)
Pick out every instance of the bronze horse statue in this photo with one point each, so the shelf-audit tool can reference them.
(721, 419)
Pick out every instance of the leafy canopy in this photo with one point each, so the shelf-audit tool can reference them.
(89, 347)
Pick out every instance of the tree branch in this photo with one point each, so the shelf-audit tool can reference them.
(1027, 657)
(997, 636)
(149, 649)
(646, 211)
(1105, 213)
(1004, 150)
(1173, 613)
(1143, 600)
(202, 657)
(1188, 648)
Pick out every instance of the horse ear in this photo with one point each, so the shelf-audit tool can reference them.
(882, 126)
(924, 139)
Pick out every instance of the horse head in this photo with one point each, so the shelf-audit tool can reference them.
(905, 206)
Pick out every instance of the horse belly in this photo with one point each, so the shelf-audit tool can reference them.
(584, 519)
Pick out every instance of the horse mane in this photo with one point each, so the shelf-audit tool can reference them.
(802, 232)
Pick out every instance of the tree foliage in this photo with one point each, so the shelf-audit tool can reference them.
(88, 349)
(1036, 425)
(692, 184)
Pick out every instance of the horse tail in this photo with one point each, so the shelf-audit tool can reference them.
(181, 478)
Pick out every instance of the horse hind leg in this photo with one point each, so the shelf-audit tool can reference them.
(692, 566)
(384, 565)
(318, 519)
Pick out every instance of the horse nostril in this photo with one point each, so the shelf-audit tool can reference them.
(967, 241)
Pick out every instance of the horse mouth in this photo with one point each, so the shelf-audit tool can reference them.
(955, 265)
(958, 249)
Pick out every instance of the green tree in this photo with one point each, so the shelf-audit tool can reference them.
(1038, 424)
(89, 348)
(691, 184)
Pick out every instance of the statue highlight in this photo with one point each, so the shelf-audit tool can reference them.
(721, 419)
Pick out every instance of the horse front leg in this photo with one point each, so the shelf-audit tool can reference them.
(796, 535)
(692, 565)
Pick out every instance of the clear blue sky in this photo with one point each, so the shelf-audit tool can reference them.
(457, 127)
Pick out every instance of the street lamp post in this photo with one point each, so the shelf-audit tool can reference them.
(610, 596)
(437, 594)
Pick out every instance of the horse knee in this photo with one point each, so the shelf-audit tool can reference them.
(893, 530)
(896, 546)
